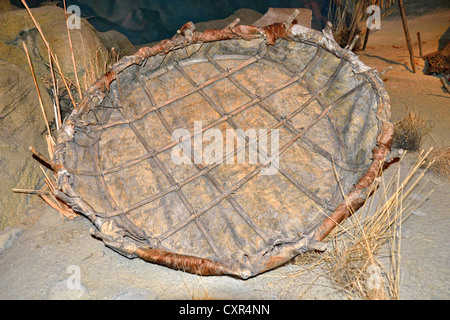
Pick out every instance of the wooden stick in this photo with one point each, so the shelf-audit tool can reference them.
(55, 93)
(71, 51)
(234, 23)
(446, 86)
(353, 43)
(366, 38)
(37, 89)
(354, 25)
(382, 73)
(39, 192)
(42, 158)
(420, 44)
(38, 27)
(291, 19)
(406, 30)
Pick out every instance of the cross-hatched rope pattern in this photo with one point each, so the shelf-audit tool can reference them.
(113, 152)
(204, 171)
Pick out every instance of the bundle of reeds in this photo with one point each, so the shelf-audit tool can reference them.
(410, 131)
(349, 18)
(47, 192)
(352, 262)
(439, 161)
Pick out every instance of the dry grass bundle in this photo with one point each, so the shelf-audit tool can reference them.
(349, 17)
(439, 162)
(47, 192)
(55, 60)
(52, 201)
(410, 131)
(352, 264)
(63, 99)
(59, 95)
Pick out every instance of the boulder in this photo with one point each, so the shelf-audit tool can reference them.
(246, 16)
(7, 238)
(21, 125)
(21, 121)
(280, 15)
(91, 56)
(5, 5)
(117, 42)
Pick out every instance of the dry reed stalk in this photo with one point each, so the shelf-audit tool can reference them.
(71, 51)
(439, 159)
(309, 262)
(445, 85)
(410, 131)
(50, 146)
(96, 64)
(48, 196)
(52, 201)
(349, 17)
(57, 107)
(38, 27)
(49, 133)
(29, 191)
(407, 37)
(375, 230)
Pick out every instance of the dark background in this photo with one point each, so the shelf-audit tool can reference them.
(145, 21)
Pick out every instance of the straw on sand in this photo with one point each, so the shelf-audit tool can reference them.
(353, 257)
(47, 194)
(410, 131)
(439, 161)
(39, 94)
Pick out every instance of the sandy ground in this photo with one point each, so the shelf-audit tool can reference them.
(412, 91)
(51, 252)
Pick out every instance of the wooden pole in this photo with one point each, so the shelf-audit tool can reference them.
(366, 38)
(420, 44)
(405, 29)
(444, 83)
